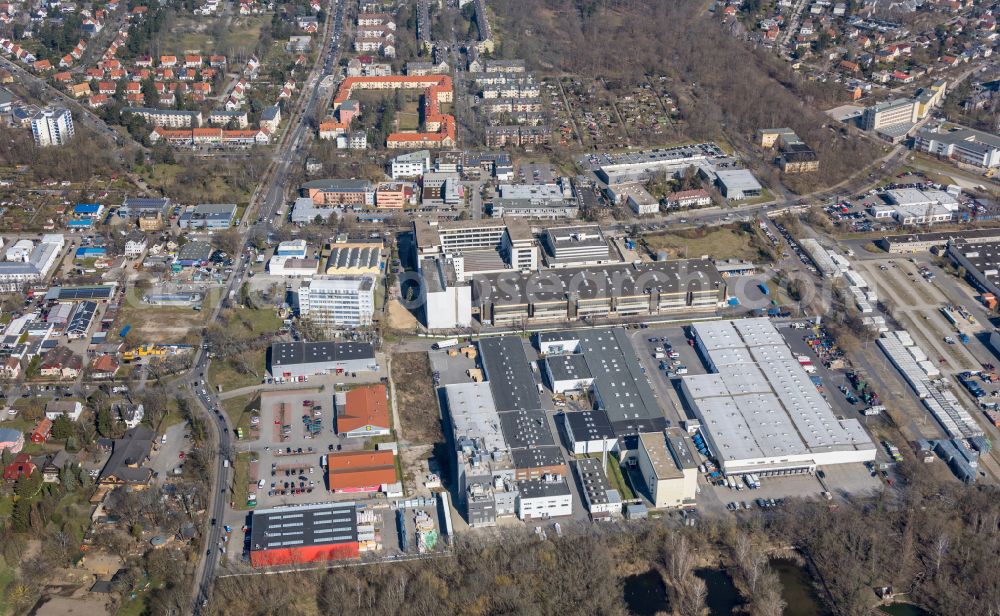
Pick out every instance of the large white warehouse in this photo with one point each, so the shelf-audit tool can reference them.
(760, 412)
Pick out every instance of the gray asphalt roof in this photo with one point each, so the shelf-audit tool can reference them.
(509, 373)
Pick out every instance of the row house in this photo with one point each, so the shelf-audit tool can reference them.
(376, 19)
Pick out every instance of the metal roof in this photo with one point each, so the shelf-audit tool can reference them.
(309, 525)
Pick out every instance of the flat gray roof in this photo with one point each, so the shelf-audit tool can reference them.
(538, 488)
(525, 428)
(537, 457)
(622, 389)
(617, 280)
(509, 373)
(590, 425)
(595, 483)
(568, 367)
(294, 353)
(769, 408)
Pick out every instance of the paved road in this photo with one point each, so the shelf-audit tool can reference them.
(268, 200)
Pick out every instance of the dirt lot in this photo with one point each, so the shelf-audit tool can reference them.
(400, 318)
(416, 399)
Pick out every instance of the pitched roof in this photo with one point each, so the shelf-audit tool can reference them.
(366, 406)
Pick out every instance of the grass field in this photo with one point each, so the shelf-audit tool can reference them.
(165, 177)
(238, 409)
(408, 120)
(223, 372)
(723, 243)
(195, 35)
(241, 479)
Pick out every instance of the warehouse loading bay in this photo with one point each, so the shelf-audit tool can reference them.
(837, 481)
(921, 294)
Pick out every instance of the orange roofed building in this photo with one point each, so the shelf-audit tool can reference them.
(363, 411)
(360, 471)
(438, 89)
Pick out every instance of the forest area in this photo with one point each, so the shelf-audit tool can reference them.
(725, 88)
(935, 543)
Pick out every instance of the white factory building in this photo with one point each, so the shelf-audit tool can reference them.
(759, 411)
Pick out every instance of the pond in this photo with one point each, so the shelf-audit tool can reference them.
(645, 594)
(903, 609)
(722, 598)
(797, 589)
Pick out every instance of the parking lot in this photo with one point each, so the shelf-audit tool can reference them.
(296, 431)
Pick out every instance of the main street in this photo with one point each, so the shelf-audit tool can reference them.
(265, 205)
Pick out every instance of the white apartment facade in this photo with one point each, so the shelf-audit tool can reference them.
(52, 126)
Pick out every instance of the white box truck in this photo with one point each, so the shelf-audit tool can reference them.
(444, 344)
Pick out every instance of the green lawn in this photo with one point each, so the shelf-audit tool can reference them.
(241, 479)
(616, 478)
(224, 372)
(254, 322)
(722, 243)
(6, 577)
(238, 409)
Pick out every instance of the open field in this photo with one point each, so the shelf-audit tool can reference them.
(225, 372)
(416, 399)
(163, 324)
(199, 34)
(718, 243)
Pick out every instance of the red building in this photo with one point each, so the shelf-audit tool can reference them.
(42, 431)
(22, 466)
(297, 535)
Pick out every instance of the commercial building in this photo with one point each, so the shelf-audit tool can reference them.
(292, 266)
(759, 411)
(362, 412)
(543, 498)
(636, 197)
(340, 192)
(193, 254)
(353, 258)
(611, 291)
(360, 471)
(911, 206)
(482, 461)
(337, 301)
(410, 165)
(297, 359)
(52, 126)
(550, 201)
(292, 248)
(892, 120)
(921, 242)
(440, 188)
(475, 246)
(208, 216)
(447, 301)
(620, 388)
(669, 468)
(305, 534)
(28, 262)
(602, 501)
(589, 432)
(981, 260)
(642, 165)
(737, 184)
(576, 246)
(392, 196)
(964, 145)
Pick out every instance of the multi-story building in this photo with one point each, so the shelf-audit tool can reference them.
(410, 165)
(447, 301)
(208, 216)
(892, 118)
(390, 196)
(669, 468)
(167, 118)
(347, 301)
(578, 245)
(965, 145)
(52, 126)
(340, 192)
(222, 117)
